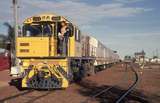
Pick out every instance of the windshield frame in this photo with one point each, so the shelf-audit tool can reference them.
(40, 27)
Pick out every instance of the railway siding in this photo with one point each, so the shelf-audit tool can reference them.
(78, 92)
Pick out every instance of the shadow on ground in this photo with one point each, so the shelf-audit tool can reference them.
(90, 89)
(16, 83)
(23, 92)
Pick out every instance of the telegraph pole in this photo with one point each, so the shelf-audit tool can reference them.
(15, 18)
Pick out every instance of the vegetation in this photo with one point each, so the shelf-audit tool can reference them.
(4, 40)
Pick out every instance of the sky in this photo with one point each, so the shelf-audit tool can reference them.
(126, 26)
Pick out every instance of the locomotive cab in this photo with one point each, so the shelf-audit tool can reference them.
(40, 37)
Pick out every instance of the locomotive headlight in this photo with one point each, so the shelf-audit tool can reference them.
(25, 64)
(19, 62)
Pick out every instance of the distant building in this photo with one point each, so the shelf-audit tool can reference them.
(140, 56)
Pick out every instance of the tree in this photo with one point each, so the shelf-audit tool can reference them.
(10, 36)
(10, 31)
(3, 38)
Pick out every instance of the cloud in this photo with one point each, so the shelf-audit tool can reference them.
(128, 1)
(82, 12)
(90, 17)
(79, 12)
(5, 10)
(143, 36)
(133, 42)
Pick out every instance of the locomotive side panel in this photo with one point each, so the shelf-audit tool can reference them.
(93, 44)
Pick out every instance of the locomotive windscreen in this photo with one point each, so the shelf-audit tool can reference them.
(37, 30)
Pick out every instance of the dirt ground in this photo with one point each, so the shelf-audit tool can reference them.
(146, 91)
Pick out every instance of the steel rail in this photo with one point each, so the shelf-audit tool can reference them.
(131, 87)
(109, 88)
(101, 92)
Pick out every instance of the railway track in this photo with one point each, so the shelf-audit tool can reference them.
(131, 87)
(24, 94)
(104, 92)
(15, 96)
(27, 94)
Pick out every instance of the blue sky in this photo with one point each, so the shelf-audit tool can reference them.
(127, 26)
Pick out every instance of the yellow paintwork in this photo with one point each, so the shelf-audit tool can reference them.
(37, 46)
(74, 48)
(61, 62)
(44, 47)
(71, 46)
(51, 63)
(53, 44)
(44, 17)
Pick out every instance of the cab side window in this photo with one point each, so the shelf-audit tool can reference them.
(47, 30)
(71, 28)
(77, 34)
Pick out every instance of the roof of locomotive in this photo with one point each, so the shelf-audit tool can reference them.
(52, 17)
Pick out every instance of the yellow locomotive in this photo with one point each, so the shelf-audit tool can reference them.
(46, 61)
